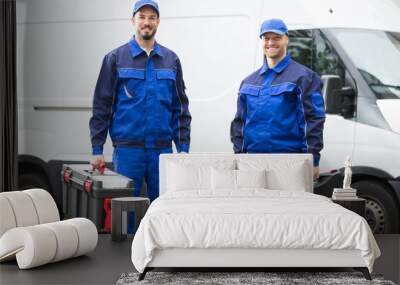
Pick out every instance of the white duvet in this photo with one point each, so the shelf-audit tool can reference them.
(250, 219)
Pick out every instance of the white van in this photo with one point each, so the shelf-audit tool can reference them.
(354, 45)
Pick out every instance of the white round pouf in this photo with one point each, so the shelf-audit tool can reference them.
(46, 208)
(67, 240)
(7, 218)
(23, 208)
(32, 246)
(87, 234)
(31, 232)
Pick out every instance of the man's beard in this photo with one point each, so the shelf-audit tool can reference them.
(148, 36)
(276, 55)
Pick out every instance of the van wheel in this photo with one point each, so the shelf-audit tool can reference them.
(381, 211)
(32, 180)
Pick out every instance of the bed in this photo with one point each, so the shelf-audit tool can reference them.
(247, 210)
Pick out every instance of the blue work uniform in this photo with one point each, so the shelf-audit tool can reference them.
(280, 110)
(140, 100)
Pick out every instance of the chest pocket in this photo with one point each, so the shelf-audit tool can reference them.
(282, 97)
(252, 94)
(165, 85)
(281, 89)
(132, 83)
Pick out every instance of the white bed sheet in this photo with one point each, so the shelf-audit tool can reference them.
(252, 218)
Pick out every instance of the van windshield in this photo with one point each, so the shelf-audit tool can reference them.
(376, 54)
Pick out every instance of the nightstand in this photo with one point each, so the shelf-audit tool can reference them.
(357, 205)
(120, 207)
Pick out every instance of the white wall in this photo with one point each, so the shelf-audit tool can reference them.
(61, 45)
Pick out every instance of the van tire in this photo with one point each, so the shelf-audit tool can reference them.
(32, 180)
(381, 212)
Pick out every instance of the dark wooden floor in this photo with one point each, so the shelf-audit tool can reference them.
(110, 260)
(389, 262)
(102, 266)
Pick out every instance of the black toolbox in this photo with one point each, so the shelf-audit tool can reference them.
(87, 193)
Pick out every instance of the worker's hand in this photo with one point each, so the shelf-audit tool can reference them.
(316, 173)
(98, 163)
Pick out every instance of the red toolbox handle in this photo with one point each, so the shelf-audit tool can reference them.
(67, 175)
(88, 185)
(107, 218)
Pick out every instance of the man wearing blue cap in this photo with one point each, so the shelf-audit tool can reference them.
(279, 108)
(140, 100)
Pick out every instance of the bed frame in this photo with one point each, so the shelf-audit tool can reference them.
(246, 258)
(242, 259)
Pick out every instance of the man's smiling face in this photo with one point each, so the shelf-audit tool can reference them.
(146, 21)
(275, 45)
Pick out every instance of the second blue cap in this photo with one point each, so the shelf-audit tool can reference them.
(139, 4)
(276, 26)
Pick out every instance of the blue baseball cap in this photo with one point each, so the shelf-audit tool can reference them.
(276, 26)
(139, 4)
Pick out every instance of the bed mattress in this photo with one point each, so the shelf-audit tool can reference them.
(251, 219)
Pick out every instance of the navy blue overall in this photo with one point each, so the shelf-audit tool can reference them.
(140, 100)
(280, 110)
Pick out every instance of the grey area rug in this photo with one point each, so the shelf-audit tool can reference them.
(231, 278)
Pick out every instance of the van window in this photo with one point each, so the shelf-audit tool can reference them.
(301, 47)
(311, 48)
(365, 48)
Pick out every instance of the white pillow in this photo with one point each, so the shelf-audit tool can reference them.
(193, 174)
(282, 174)
(228, 179)
(251, 178)
(187, 177)
(223, 179)
(288, 175)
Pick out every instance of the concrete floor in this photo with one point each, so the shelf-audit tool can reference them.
(110, 260)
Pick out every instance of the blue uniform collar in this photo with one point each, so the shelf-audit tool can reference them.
(279, 67)
(136, 49)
